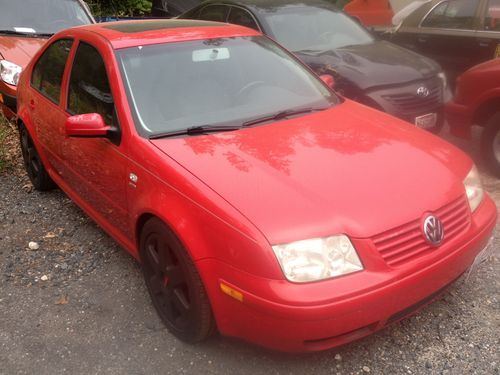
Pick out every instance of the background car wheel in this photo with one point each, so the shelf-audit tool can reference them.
(174, 284)
(33, 164)
(490, 144)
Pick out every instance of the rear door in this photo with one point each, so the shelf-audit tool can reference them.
(448, 34)
(488, 36)
(45, 99)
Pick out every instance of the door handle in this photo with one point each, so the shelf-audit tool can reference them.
(32, 104)
(422, 38)
(484, 42)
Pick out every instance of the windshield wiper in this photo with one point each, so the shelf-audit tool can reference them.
(196, 130)
(14, 32)
(282, 114)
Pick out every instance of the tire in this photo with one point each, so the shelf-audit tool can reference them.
(490, 144)
(32, 163)
(174, 284)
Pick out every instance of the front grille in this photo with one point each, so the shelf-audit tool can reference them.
(408, 102)
(405, 243)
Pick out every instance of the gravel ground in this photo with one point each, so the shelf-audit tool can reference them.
(77, 304)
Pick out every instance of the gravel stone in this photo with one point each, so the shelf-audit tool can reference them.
(93, 314)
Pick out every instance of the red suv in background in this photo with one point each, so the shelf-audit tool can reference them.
(477, 102)
(24, 27)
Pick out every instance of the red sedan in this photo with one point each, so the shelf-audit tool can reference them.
(258, 201)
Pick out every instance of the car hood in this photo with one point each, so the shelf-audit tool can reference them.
(19, 49)
(348, 170)
(369, 65)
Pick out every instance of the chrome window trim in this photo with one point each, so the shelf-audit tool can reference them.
(246, 10)
(231, 6)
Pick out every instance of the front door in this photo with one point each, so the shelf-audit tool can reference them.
(448, 34)
(97, 167)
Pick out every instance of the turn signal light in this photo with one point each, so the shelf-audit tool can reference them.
(231, 292)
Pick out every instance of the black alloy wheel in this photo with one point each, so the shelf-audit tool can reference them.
(174, 284)
(33, 164)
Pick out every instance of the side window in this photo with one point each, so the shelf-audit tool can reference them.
(453, 14)
(89, 90)
(49, 69)
(492, 18)
(241, 17)
(217, 13)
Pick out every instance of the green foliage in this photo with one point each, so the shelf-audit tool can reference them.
(120, 7)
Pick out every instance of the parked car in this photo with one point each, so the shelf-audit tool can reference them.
(477, 102)
(245, 186)
(456, 33)
(171, 8)
(24, 27)
(373, 72)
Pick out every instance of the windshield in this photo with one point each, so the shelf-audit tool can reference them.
(41, 16)
(315, 29)
(229, 81)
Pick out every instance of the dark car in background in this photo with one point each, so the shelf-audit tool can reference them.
(456, 33)
(373, 72)
(171, 8)
(25, 26)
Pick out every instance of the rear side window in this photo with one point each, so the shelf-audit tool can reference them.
(452, 14)
(89, 90)
(49, 69)
(241, 17)
(492, 18)
(217, 13)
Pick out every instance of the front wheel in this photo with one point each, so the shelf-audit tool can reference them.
(174, 284)
(32, 163)
(490, 144)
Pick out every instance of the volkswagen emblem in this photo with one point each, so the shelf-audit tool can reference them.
(433, 230)
(423, 92)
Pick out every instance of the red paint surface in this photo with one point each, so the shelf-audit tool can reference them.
(230, 196)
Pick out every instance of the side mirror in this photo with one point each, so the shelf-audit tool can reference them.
(88, 125)
(328, 79)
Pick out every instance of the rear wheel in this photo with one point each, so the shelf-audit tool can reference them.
(174, 284)
(490, 144)
(32, 162)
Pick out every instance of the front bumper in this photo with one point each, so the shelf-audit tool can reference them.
(459, 119)
(291, 317)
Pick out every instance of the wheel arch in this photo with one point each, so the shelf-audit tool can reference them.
(486, 110)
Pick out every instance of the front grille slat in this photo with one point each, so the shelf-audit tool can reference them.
(406, 243)
(410, 102)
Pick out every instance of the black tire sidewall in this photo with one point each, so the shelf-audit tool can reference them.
(41, 181)
(490, 131)
(201, 321)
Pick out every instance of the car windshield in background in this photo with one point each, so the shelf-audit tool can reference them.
(217, 82)
(315, 29)
(41, 16)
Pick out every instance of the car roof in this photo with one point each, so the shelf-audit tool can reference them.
(125, 34)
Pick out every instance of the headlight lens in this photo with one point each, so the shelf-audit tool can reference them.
(9, 72)
(318, 258)
(474, 188)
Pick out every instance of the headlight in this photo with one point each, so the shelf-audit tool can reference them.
(317, 259)
(9, 72)
(473, 188)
